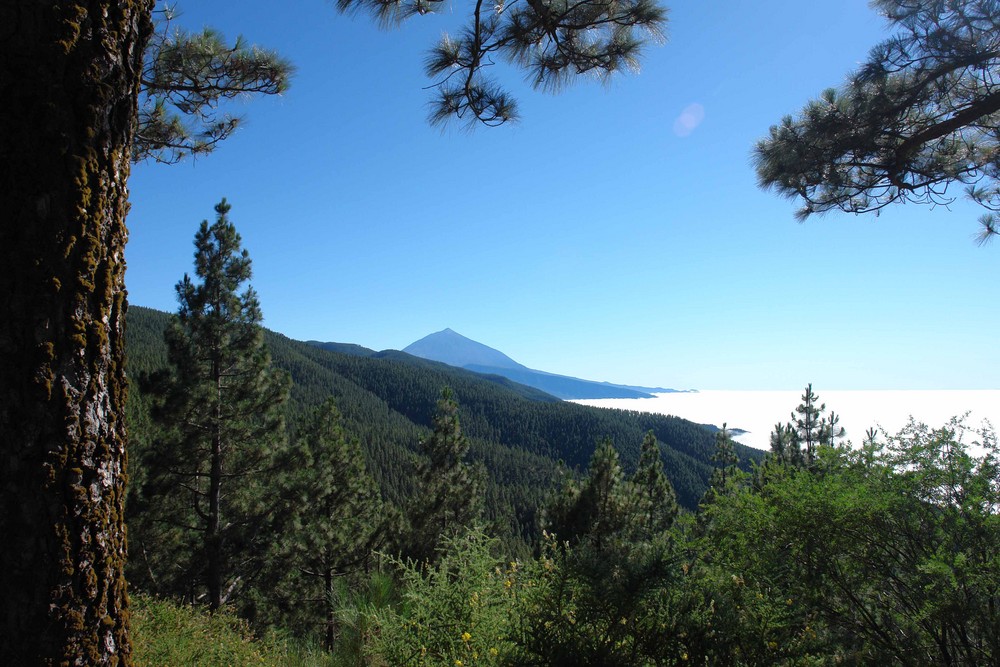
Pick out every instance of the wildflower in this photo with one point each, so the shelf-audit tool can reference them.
(494, 651)
(466, 636)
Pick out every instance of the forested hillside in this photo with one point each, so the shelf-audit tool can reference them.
(387, 400)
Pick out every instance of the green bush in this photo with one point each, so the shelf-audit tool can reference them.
(457, 612)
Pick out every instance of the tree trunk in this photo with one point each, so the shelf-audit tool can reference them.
(69, 73)
(213, 534)
(331, 613)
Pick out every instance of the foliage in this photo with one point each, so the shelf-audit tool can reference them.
(654, 502)
(920, 115)
(449, 495)
(588, 605)
(357, 607)
(550, 40)
(208, 490)
(873, 545)
(332, 518)
(727, 475)
(796, 442)
(185, 79)
(457, 611)
(599, 590)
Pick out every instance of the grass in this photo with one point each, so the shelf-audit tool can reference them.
(166, 633)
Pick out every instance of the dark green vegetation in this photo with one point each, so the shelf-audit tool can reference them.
(387, 400)
(185, 79)
(475, 547)
(884, 554)
(920, 116)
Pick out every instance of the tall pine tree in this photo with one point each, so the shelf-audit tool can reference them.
(808, 423)
(654, 499)
(221, 406)
(334, 519)
(727, 471)
(449, 493)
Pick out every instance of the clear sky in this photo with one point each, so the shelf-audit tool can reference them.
(615, 233)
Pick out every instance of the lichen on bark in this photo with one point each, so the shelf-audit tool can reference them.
(69, 76)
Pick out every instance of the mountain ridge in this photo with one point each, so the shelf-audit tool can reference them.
(452, 348)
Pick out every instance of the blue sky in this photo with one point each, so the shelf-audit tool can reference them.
(608, 235)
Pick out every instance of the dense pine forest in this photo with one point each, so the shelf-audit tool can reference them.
(399, 523)
(387, 400)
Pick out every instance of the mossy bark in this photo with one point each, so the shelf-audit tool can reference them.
(69, 73)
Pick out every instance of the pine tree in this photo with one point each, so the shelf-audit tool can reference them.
(186, 78)
(808, 424)
(334, 517)
(222, 407)
(72, 73)
(920, 115)
(726, 459)
(449, 493)
(785, 445)
(550, 40)
(605, 508)
(811, 428)
(830, 429)
(653, 497)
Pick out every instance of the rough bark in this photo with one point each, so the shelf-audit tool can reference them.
(69, 74)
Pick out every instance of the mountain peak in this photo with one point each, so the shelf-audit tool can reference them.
(450, 347)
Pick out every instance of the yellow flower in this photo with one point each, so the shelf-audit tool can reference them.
(458, 663)
(493, 650)
(466, 636)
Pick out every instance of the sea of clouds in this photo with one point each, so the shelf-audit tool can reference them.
(757, 412)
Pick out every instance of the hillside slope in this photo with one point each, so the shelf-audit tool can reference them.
(388, 399)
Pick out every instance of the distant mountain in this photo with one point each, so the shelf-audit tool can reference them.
(455, 349)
